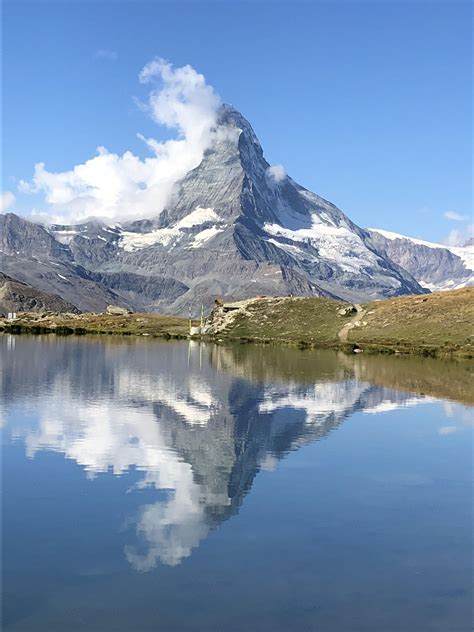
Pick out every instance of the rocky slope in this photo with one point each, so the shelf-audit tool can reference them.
(235, 227)
(32, 254)
(434, 266)
(16, 296)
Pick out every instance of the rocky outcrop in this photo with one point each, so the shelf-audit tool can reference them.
(115, 310)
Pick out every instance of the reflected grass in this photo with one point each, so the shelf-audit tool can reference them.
(445, 379)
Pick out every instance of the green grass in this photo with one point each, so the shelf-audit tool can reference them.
(442, 322)
(131, 325)
(432, 324)
(298, 320)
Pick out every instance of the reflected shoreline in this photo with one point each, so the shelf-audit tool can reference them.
(442, 378)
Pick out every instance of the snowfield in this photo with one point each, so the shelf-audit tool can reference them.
(131, 241)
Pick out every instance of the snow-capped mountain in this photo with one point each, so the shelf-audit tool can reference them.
(434, 266)
(235, 227)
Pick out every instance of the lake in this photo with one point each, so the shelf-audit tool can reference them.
(177, 486)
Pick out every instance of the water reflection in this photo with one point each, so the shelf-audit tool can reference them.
(197, 422)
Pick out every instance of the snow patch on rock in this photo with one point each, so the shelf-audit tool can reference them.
(131, 241)
(65, 236)
(205, 235)
(335, 243)
(198, 216)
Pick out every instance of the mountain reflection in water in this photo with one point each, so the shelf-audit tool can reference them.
(198, 422)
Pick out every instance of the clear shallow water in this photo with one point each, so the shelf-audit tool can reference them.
(175, 487)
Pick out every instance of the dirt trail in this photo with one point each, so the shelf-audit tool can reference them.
(342, 335)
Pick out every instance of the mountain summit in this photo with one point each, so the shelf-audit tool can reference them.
(234, 227)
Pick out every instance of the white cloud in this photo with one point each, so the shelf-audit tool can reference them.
(458, 237)
(456, 217)
(108, 435)
(445, 430)
(104, 53)
(277, 173)
(8, 199)
(117, 187)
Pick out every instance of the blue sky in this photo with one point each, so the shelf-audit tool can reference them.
(367, 104)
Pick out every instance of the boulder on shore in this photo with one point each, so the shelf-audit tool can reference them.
(115, 310)
(347, 310)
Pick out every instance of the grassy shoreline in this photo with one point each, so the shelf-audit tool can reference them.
(152, 325)
(435, 325)
(428, 351)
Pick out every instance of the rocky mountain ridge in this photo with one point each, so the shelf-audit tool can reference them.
(434, 266)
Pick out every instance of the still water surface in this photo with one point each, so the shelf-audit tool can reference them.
(152, 486)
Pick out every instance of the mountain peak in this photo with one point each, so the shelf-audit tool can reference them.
(229, 117)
